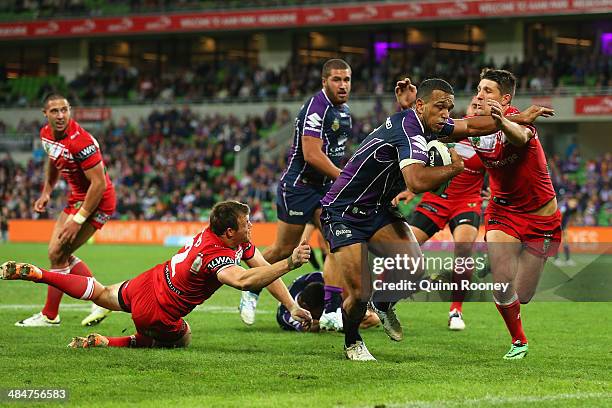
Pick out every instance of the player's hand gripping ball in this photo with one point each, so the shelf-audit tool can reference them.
(439, 155)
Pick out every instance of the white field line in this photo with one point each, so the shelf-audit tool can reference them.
(496, 400)
(73, 307)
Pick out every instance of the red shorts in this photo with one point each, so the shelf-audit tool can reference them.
(105, 210)
(137, 296)
(540, 235)
(442, 211)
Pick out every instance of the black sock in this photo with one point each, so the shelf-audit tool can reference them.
(566, 251)
(382, 306)
(256, 291)
(351, 330)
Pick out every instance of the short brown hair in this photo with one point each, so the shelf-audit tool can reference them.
(504, 79)
(225, 215)
(52, 97)
(334, 63)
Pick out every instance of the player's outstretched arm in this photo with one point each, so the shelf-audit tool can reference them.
(529, 115)
(516, 134)
(311, 147)
(485, 125)
(279, 290)
(420, 178)
(51, 177)
(261, 276)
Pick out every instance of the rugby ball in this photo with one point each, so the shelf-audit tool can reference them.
(438, 155)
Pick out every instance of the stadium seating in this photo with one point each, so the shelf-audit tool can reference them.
(567, 74)
(164, 169)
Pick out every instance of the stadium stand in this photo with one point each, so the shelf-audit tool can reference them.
(542, 75)
(174, 165)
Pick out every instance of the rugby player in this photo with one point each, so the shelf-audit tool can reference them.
(159, 298)
(322, 128)
(75, 154)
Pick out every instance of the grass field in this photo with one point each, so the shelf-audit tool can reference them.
(229, 364)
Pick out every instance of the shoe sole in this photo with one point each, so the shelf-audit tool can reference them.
(518, 356)
(93, 322)
(9, 269)
(12, 270)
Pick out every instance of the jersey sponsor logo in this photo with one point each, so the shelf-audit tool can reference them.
(429, 207)
(54, 150)
(335, 124)
(314, 120)
(101, 218)
(169, 281)
(86, 152)
(219, 262)
(500, 163)
(74, 135)
(292, 212)
(484, 142)
(342, 141)
(336, 151)
(343, 230)
(388, 123)
(196, 265)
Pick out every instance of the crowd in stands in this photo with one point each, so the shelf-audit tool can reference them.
(174, 165)
(588, 182)
(237, 80)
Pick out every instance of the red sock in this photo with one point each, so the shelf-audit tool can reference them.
(458, 296)
(512, 316)
(54, 296)
(78, 267)
(136, 340)
(78, 287)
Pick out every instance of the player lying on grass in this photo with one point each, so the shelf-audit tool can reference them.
(159, 298)
(308, 290)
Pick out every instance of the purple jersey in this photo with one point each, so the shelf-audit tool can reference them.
(332, 124)
(283, 315)
(373, 177)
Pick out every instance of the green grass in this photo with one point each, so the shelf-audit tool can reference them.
(229, 364)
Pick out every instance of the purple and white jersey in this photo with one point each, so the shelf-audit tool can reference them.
(283, 315)
(373, 177)
(318, 118)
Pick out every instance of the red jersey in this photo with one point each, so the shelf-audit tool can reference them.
(76, 152)
(190, 277)
(468, 183)
(518, 175)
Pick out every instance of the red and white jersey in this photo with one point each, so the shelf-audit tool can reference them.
(190, 277)
(76, 152)
(518, 175)
(469, 182)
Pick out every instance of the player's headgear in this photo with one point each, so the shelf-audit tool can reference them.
(504, 79)
(429, 85)
(225, 215)
(334, 63)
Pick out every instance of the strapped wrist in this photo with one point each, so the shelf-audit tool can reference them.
(81, 216)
